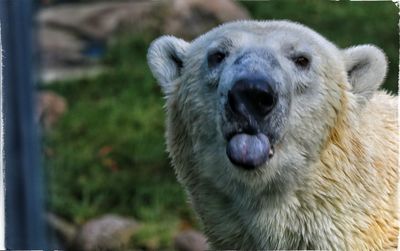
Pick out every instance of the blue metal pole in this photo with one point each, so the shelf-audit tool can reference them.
(25, 226)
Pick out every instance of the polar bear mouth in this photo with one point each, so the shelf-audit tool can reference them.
(249, 151)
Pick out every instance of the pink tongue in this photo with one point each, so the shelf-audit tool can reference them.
(248, 151)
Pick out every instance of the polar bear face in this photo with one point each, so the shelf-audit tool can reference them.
(252, 103)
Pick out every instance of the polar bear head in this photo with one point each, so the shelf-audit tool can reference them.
(253, 103)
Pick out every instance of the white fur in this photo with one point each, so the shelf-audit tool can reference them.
(321, 190)
(366, 66)
(161, 62)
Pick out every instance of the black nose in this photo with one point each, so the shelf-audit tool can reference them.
(252, 96)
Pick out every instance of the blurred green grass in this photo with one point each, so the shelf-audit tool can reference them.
(107, 154)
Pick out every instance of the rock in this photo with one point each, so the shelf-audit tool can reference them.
(110, 232)
(66, 230)
(71, 72)
(59, 46)
(190, 18)
(98, 21)
(49, 108)
(68, 31)
(190, 240)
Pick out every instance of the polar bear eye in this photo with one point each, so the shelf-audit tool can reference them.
(301, 61)
(215, 58)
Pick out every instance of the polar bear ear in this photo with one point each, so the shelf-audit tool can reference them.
(366, 67)
(165, 59)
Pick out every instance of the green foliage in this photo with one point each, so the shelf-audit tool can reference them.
(107, 154)
(343, 22)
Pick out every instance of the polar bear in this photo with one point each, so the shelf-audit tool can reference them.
(281, 139)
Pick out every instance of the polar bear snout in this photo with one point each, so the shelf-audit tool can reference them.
(250, 100)
(252, 96)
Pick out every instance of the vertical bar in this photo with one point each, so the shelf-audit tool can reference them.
(2, 188)
(25, 228)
